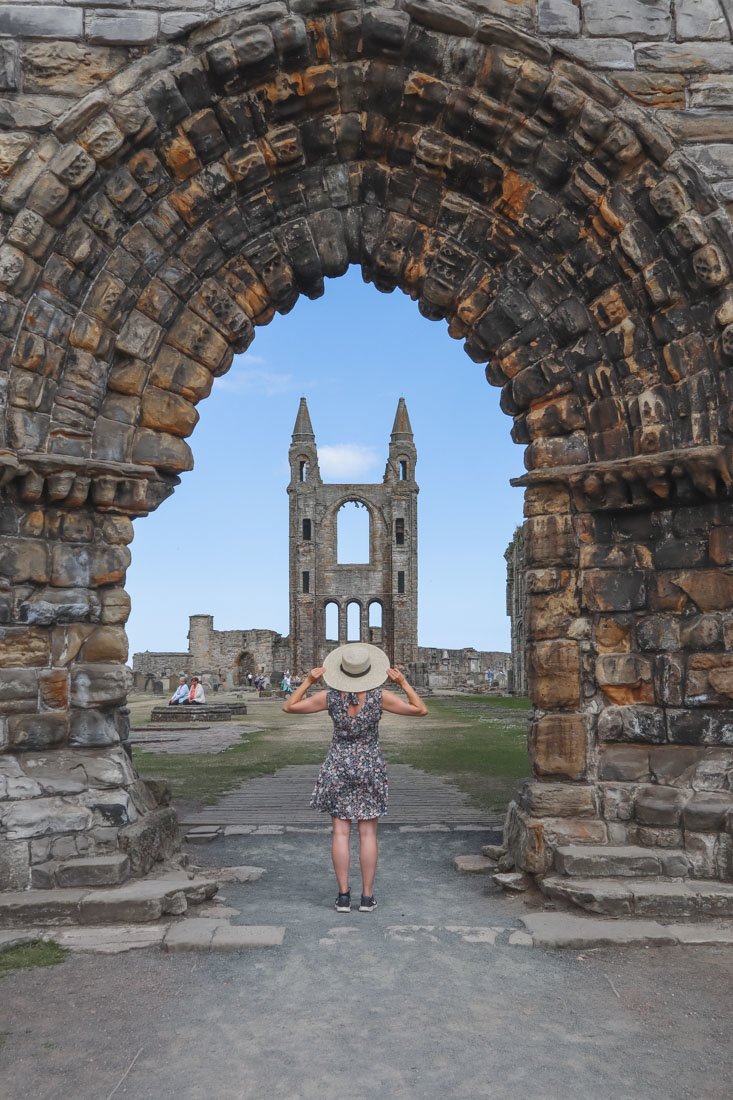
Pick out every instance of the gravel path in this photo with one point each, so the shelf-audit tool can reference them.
(425, 999)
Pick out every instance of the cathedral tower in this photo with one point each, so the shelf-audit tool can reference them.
(384, 589)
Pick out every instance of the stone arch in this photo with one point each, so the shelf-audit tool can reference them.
(551, 222)
(375, 622)
(245, 665)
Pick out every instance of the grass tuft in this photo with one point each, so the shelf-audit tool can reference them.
(28, 955)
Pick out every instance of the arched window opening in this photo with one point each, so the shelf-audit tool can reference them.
(306, 530)
(403, 469)
(401, 583)
(352, 534)
(375, 622)
(331, 615)
(306, 581)
(303, 470)
(353, 622)
(399, 532)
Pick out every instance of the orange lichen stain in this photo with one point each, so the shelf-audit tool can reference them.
(515, 191)
(180, 156)
(283, 87)
(610, 217)
(187, 201)
(626, 694)
(316, 28)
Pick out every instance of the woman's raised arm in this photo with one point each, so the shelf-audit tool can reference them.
(297, 704)
(414, 707)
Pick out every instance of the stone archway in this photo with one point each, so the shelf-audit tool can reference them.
(245, 668)
(525, 200)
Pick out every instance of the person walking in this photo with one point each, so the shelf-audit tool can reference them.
(352, 783)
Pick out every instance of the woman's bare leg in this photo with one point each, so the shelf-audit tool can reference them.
(368, 854)
(340, 852)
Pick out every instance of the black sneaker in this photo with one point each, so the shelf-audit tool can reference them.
(368, 905)
(343, 902)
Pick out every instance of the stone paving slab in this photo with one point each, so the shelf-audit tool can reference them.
(210, 934)
(474, 865)
(416, 798)
(565, 930)
(110, 939)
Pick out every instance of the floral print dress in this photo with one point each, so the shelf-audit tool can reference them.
(352, 783)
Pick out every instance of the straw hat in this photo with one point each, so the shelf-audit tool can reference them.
(355, 667)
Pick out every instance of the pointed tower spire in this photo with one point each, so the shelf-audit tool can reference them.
(402, 428)
(303, 430)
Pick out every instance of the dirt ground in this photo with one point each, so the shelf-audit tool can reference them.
(424, 999)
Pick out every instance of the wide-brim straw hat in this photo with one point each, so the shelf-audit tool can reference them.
(355, 667)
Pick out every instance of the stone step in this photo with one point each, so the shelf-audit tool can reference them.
(110, 870)
(691, 899)
(622, 861)
(566, 930)
(135, 902)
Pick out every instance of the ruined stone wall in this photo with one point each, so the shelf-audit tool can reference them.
(516, 609)
(460, 669)
(225, 655)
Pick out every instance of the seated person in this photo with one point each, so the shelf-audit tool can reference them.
(196, 693)
(180, 695)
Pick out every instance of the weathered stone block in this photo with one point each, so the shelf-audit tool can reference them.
(41, 21)
(558, 800)
(32, 732)
(625, 678)
(107, 27)
(612, 590)
(709, 679)
(632, 20)
(42, 816)
(632, 723)
(706, 811)
(153, 838)
(624, 763)
(558, 746)
(659, 806)
(550, 540)
(554, 674)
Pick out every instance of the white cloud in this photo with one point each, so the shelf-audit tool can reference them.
(347, 461)
(258, 380)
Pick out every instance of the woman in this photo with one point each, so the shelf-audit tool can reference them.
(196, 694)
(352, 782)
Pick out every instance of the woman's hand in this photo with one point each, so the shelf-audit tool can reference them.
(396, 677)
(315, 675)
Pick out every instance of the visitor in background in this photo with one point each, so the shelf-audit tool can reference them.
(352, 783)
(196, 693)
(180, 695)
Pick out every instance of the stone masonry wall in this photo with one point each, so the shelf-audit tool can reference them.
(673, 56)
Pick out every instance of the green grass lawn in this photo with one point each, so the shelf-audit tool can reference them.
(482, 747)
(479, 742)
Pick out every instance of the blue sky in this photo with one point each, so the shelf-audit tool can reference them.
(219, 545)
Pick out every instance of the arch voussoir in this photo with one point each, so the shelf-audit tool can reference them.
(550, 221)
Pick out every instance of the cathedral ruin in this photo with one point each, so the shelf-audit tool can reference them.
(324, 588)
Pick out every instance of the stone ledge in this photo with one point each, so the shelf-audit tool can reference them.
(640, 480)
(209, 934)
(565, 930)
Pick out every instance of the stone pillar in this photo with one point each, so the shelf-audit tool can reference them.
(67, 786)
(560, 805)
